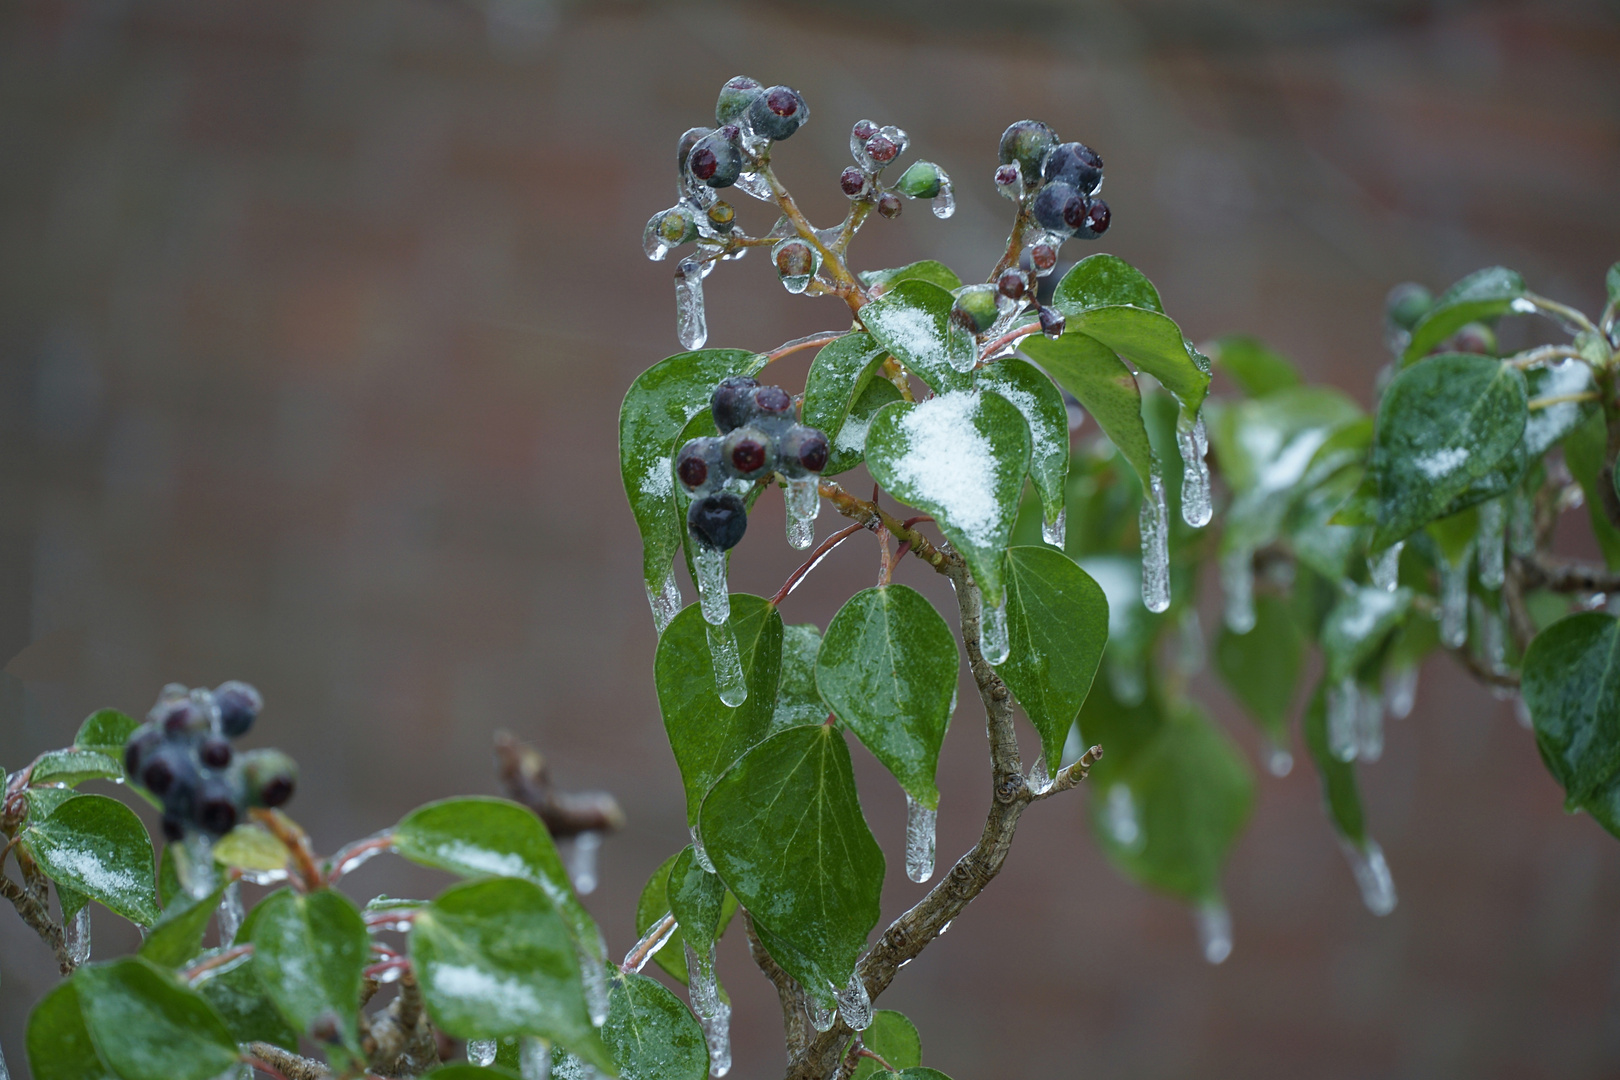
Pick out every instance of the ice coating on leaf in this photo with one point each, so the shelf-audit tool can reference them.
(481, 1051)
(920, 822)
(1121, 818)
(854, 1005)
(228, 917)
(1343, 709)
(1214, 930)
(1279, 762)
(76, 936)
(713, 1012)
(994, 643)
(1237, 587)
(948, 462)
(1385, 567)
(593, 976)
(657, 935)
(1400, 690)
(691, 321)
(582, 861)
(534, 1058)
(729, 681)
(821, 1017)
(1454, 601)
(713, 592)
(667, 602)
(1492, 530)
(698, 853)
(803, 501)
(1054, 529)
(1192, 439)
(195, 863)
(1154, 523)
(1369, 724)
(1372, 874)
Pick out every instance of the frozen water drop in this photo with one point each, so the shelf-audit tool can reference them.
(1214, 930)
(729, 681)
(1372, 875)
(1454, 602)
(652, 240)
(691, 321)
(666, 602)
(481, 1051)
(534, 1058)
(1522, 711)
(920, 823)
(713, 592)
(1385, 567)
(1400, 690)
(353, 856)
(76, 936)
(1492, 526)
(993, 643)
(854, 1005)
(1237, 587)
(821, 1017)
(713, 1013)
(1120, 818)
(1154, 523)
(1279, 762)
(1192, 438)
(944, 204)
(228, 917)
(1343, 706)
(1039, 780)
(195, 863)
(803, 504)
(1054, 528)
(1369, 724)
(698, 852)
(656, 937)
(1492, 638)
(582, 861)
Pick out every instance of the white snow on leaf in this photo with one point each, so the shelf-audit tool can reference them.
(1440, 463)
(949, 463)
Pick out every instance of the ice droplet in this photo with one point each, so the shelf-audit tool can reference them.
(667, 601)
(481, 1051)
(713, 592)
(1492, 526)
(76, 936)
(1372, 875)
(1342, 710)
(652, 240)
(803, 500)
(656, 937)
(195, 863)
(1385, 567)
(1522, 711)
(1237, 587)
(1192, 438)
(729, 680)
(1454, 602)
(1492, 638)
(1214, 930)
(1053, 529)
(357, 854)
(228, 917)
(1039, 780)
(691, 322)
(713, 1013)
(1369, 724)
(944, 204)
(1120, 817)
(1400, 690)
(1154, 524)
(993, 643)
(821, 1017)
(699, 853)
(853, 1003)
(534, 1058)
(1279, 762)
(755, 184)
(920, 823)
(582, 861)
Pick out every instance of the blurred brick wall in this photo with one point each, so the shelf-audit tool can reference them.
(314, 321)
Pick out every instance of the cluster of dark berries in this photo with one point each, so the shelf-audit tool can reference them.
(183, 755)
(1061, 180)
(759, 435)
(874, 149)
(749, 117)
(988, 308)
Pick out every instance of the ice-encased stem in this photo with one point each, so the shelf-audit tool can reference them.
(1369, 724)
(1492, 529)
(593, 975)
(920, 823)
(1192, 439)
(195, 863)
(1054, 529)
(666, 602)
(1372, 874)
(713, 1013)
(582, 861)
(1454, 602)
(1343, 708)
(1154, 523)
(481, 1051)
(1237, 589)
(1385, 567)
(698, 852)
(729, 680)
(228, 917)
(1400, 690)
(1214, 930)
(803, 501)
(854, 1005)
(993, 642)
(76, 935)
(656, 937)
(714, 596)
(691, 321)
(534, 1058)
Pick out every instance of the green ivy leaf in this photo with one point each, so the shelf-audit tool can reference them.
(841, 378)
(251, 847)
(1358, 624)
(784, 828)
(309, 951)
(928, 270)
(1584, 451)
(1484, 294)
(919, 1074)
(893, 1038)
(1105, 387)
(73, 767)
(888, 668)
(706, 734)
(1262, 668)
(960, 457)
(178, 935)
(1057, 621)
(652, 905)
(1443, 426)
(1149, 340)
(1340, 794)
(697, 899)
(494, 958)
(1571, 684)
(797, 701)
(913, 322)
(461, 1070)
(1105, 281)
(659, 404)
(59, 1046)
(105, 730)
(238, 995)
(1042, 406)
(97, 846)
(651, 1035)
(1548, 426)
(146, 1025)
(1256, 369)
(43, 801)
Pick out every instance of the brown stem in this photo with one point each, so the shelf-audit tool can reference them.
(654, 939)
(38, 917)
(796, 1027)
(845, 284)
(809, 341)
(284, 1063)
(1072, 775)
(1543, 571)
(1015, 241)
(306, 871)
(1007, 339)
(822, 551)
(523, 773)
(870, 515)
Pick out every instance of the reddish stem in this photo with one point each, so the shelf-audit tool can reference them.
(191, 973)
(815, 556)
(826, 337)
(1008, 338)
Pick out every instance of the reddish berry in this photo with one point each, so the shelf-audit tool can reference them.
(804, 450)
(794, 259)
(1052, 322)
(882, 149)
(1007, 175)
(716, 158)
(748, 452)
(853, 182)
(1043, 257)
(1012, 283)
(778, 112)
(863, 130)
(889, 205)
(773, 400)
(697, 462)
(1094, 222)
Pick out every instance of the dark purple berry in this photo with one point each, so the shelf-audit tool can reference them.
(1052, 322)
(889, 205)
(1012, 283)
(162, 770)
(716, 158)
(882, 149)
(239, 705)
(268, 777)
(215, 752)
(735, 97)
(277, 790)
(1027, 143)
(773, 400)
(778, 112)
(1474, 337)
(1055, 205)
(146, 739)
(174, 829)
(718, 521)
(1076, 164)
(216, 811)
(748, 452)
(182, 718)
(683, 148)
(853, 182)
(804, 450)
(732, 402)
(697, 461)
(1094, 222)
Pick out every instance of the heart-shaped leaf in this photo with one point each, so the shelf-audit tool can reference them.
(797, 701)
(1042, 406)
(651, 1035)
(1571, 684)
(1484, 294)
(178, 935)
(97, 846)
(59, 1046)
(1105, 387)
(654, 905)
(1149, 340)
(893, 1038)
(238, 995)
(913, 322)
(309, 951)
(841, 392)
(106, 730)
(696, 899)
(146, 1025)
(1104, 280)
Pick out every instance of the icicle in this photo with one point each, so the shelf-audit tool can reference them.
(1343, 709)
(1522, 525)
(1492, 523)
(1190, 649)
(1193, 440)
(1279, 762)
(919, 840)
(593, 976)
(656, 937)
(228, 917)
(1120, 818)
(481, 1051)
(1400, 690)
(1237, 586)
(1039, 780)
(1522, 711)
(713, 1013)
(582, 861)
(691, 323)
(1214, 930)
(1054, 528)
(1153, 521)
(666, 602)
(1369, 724)
(854, 1006)
(1492, 640)
(76, 935)
(713, 591)
(5, 1074)
(534, 1058)
(729, 680)
(1372, 875)
(803, 501)
(821, 1017)
(699, 853)
(195, 863)
(944, 204)
(1454, 603)
(993, 643)
(1385, 567)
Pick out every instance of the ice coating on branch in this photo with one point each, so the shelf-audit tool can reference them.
(1237, 587)
(1343, 714)
(582, 861)
(1492, 527)
(1121, 819)
(993, 640)
(1214, 930)
(691, 321)
(1400, 690)
(698, 852)
(1192, 438)
(1039, 779)
(713, 592)
(1385, 567)
(1454, 601)
(1369, 724)
(76, 936)
(1279, 762)
(1372, 874)
(195, 863)
(666, 603)
(357, 854)
(729, 681)
(854, 1006)
(656, 937)
(481, 1051)
(920, 823)
(713, 1012)
(1054, 529)
(534, 1058)
(1154, 523)
(228, 917)
(803, 501)
(821, 1017)
(755, 184)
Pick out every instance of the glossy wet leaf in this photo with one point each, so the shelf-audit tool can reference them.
(654, 905)
(706, 734)
(1443, 426)
(238, 995)
(309, 951)
(251, 847)
(1151, 342)
(912, 321)
(1358, 624)
(1041, 404)
(1482, 295)
(1549, 425)
(784, 828)
(893, 1038)
(1105, 388)
(961, 458)
(1340, 794)
(1257, 369)
(697, 900)
(1057, 622)
(106, 730)
(1105, 281)
(928, 270)
(178, 935)
(842, 379)
(919, 1073)
(888, 669)
(651, 1034)
(59, 1046)
(1571, 684)
(461, 1070)
(494, 958)
(74, 767)
(1584, 451)
(146, 1025)
(97, 846)
(1262, 668)
(797, 701)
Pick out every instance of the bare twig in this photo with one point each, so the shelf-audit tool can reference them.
(1543, 571)
(38, 918)
(285, 1063)
(522, 771)
(1072, 775)
(822, 551)
(218, 960)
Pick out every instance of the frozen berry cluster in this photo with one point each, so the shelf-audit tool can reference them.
(759, 435)
(874, 149)
(1060, 180)
(183, 755)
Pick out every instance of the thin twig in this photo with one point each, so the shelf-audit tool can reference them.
(809, 341)
(1007, 339)
(1541, 354)
(307, 872)
(1071, 775)
(218, 960)
(822, 551)
(1560, 399)
(654, 939)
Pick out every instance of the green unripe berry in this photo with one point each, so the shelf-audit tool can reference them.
(1474, 337)
(735, 98)
(722, 216)
(921, 181)
(976, 308)
(1027, 142)
(677, 227)
(1406, 304)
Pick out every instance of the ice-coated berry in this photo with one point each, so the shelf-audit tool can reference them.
(268, 777)
(773, 401)
(1474, 337)
(722, 216)
(718, 521)
(1093, 220)
(736, 96)
(216, 809)
(747, 453)
(165, 767)
(716, 158)
(1055, 205)
(804, 450)
(778, 112)
(1012, 283)
(889, 205)
(676, 227)
(881, 148)
(142, 743)
(794, 259)
(1042, 256)
(1052, 321)
(239, 705)
(863, 130)
(214, 752)
(182, 719)
(1008, 176)
(1407, 303)
(975, 308)
(698, 462)
(683, 148)
(1076, 164)
(853, 182)
(922, 181)
(732, 403)
(1027, 143)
